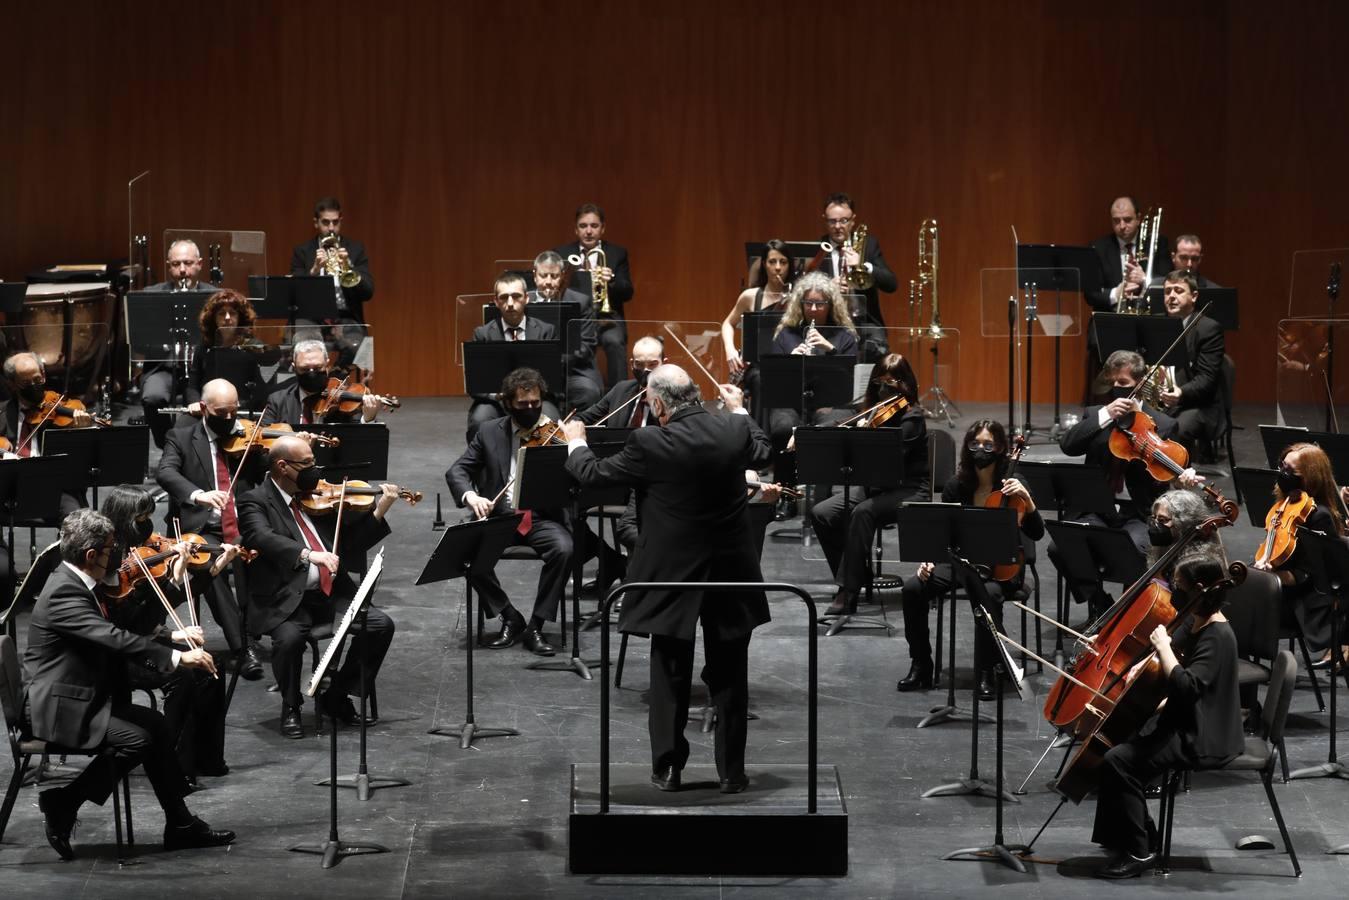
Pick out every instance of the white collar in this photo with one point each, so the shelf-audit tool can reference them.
(85, 577)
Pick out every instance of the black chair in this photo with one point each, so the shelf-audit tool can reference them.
(1253, 612)
(24, 747)
(1258, 757)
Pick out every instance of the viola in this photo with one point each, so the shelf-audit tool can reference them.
(997, 500)
(1281, 524)
(544, 433)
(1137, 438)
(158, 563)
(359, 496)
(254, 435)
(201, 554)
(341, 400)
(58, 411)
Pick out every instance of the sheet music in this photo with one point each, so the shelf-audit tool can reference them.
(340, 632)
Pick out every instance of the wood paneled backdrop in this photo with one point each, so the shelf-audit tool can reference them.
(460, 133)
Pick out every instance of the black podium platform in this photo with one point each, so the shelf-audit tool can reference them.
(699, 831)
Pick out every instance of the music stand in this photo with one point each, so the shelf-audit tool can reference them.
(1276, 437)
(13, 295)
(363, 452)
(30, 488)
(1256, 488)
(334, 849)
(486, 363)
(1049, 267)
(241, 368)
(1223, 311)
(470, 548)
(756, 333)
(164, 326)
(1328, 559)
(558, 313)
(1149, 336)
(101, 457)
(1094, 553)
(794, 381)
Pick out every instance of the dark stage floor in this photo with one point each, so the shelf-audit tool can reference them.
(492, 820)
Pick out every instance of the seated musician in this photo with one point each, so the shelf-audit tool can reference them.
(194, 701)
(1198, 724)
(1196, 398)
(584, 384)
(299, 579)
(78, 699)
(226, 324)
(1305, 469)
(982, 470)
(648, 354)
(1175, 514)
(160, 382)
(1123, 262)
(768, 292)
(511, 299)
(840, 217)
(814, 323)
(1187, 257)
(847, 539)
(196, 473)
(26, 380)
(311, 258)
(615, 273)
(295, 403)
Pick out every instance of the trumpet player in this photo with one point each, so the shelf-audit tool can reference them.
(842, 257)
(329, 252)
(594, 259)
(1193, 394)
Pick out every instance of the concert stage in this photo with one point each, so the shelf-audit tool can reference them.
(493, 820)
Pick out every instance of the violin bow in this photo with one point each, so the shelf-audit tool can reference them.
(248, 445)
(710, 377)
(337, 529)
(191, 607)
(504, 488)
(169, 608)
(635, 397)
(43, 421)
(1194, 320)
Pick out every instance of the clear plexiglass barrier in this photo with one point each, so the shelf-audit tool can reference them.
(1316, 276)
(228, 257)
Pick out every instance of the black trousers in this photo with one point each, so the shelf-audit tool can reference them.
(847, 541)
(291, 637)
(726, 674)
(194, 708)
(136, 736)
(1121, 808)
(1091, 591)
(552, 541)
(1197, 424)
(1310, 612)
(613, 340)
(223, 601)
(916, 596)
(584, 389)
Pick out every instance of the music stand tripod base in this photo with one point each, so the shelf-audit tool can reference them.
(1005, 854)
(575, 664)
(950, 713)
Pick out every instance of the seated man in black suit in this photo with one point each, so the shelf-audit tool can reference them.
(622, 401)
(614, 272)
(294, 404)
(196, 474)
(26, 381)
(584, 384)
(312, 258)
(1187, 257)
(1196, 399)
(511, 299)
(300, 579)
(77, 698)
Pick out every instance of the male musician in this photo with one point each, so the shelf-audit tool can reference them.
(26, 380)
(77, 697)
(183, 266)
(584, 384)
(511, 299)
(294, 404)
(300, 579)
(648, 353)
(840, 217)
(613, 328)
(311, 259)
(160, 382)
(1187, 256)
(1124, 264)
(199, 479)
(1196, 399)
(689, 477)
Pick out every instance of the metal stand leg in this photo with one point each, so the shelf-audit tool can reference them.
(469, 730)
(334, 850)
(1332, 767)
(574, 663)
(950, 712)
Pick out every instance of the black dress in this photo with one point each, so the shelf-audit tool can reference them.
(1304, 607)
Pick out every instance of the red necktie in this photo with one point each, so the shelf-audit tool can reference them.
(25, 448)
(307, 409)
(515, 333)
(312, 541)
(229, 521)
(638, 414)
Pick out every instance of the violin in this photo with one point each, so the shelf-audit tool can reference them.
(358, 496)
(58, 411)
(1281, 524)
(1165, 459)
(201, 554)
(544, 433)
(340, 399)
(254, 435)
(997, 500)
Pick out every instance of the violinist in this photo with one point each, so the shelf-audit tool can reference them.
(768, 292)
(294, 404)
(584, 385)
(26, 380)
(622, 400)
(981, 471)
(72, 701)
(1198, 724)
(226, 323)
(198, 476)
(299, 579)
(512, 300)
(847, 541)
(1305, 472)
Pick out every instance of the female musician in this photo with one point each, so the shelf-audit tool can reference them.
(768, 292)
(816, 323)
(1305, 468)
(847, 541)
(226, 322)
(984, 460)
(1198, 725)
(194, 701)
(1175, 513)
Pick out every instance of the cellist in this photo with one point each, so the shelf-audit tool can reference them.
(1198, 723)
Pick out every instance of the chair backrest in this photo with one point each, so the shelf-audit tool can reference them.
(1253, 610)
(1279, 696)
(33, 583)
(941, 457)
(11, 681)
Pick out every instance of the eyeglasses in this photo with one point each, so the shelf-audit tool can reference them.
(838, 222)
(982, 445)
(815, 303)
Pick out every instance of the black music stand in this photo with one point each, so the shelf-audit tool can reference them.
(803, 383)
(334, 849)
(1223, 311)
(756, 333)
(1092, 552)
(470, 548)
(1049, 267)
(1328, 559)
(1276, 437)
(241, 368)
(30, 489)
(935, 531)
(851, 457)
(1256, 488)
(1003, 669)
(13, 295)
(363, 452)
(558, 313)
(604, 441)
(1149, 336)
(486, 363)
(101, 457)
(164, 327)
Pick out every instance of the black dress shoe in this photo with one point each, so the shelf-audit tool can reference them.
(734, 785)
(341, 708)
(59, 819)
(213, 770)
(667, 780)
(786, 509)
(536, 644)
(985, 685)
(291, 726)
(195, 834)
(843, 604)
(918, 679)
(510, 634)
(250, 667)
(1127, 865)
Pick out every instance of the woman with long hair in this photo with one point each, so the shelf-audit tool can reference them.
(226, 322)
(768, 292)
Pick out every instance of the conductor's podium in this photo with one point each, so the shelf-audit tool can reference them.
(765, 831)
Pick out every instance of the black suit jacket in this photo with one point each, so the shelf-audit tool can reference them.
(535, 330)
(1202, 377)
(689, 480)
(284, 405)
(618, 395)
(276, 579)
(1107, 252)
(880, 270)
(1089, 440)
(75, 660)
(620, 286)
(166, 287)
(188, 465)
(485, 465)
(580, 343)
(302, 260)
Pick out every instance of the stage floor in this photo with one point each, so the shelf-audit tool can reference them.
(492, 820)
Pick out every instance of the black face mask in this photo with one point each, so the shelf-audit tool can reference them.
(312, 381)
(1120, 393)
(33, 393)
(143, 531)
(641, 375)
(308, 479)
(982, 459)
(526, 418)
(221, 426)
(1289, 482)
(1160, 535)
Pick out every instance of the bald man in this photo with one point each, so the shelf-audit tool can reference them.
(160, 382)
(300, 580)
(196, 474)
(26, 381)
(647, 353)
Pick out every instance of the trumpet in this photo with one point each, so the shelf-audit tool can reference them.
(927, 273)
(856, 277)
(593, 261)
(335, 265)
